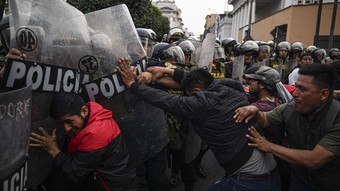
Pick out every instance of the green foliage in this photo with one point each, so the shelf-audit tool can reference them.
(3, 4)
(143, 13)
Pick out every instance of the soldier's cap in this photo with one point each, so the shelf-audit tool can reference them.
(266, 75)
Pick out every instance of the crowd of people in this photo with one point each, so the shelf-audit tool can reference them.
(268, 112)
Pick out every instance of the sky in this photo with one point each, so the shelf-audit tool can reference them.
(194, 12)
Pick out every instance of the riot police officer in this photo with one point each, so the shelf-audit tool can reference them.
(246, 54)
(263, 54)
(280, 61)
(228, 45)
(272, 48)
(175, 34)
(319, 55)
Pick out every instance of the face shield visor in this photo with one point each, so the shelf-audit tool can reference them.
(148, 45)
(188, 49)
(173, 54)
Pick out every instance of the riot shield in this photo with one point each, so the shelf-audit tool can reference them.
(238, 68)
(283, 92)
(15, 122)
(113, 35)
(207, 52)
(143, 126)
(196, 43)
(53, 33)
(65, 40)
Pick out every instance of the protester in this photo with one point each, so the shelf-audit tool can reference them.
(209, 106)
(304, 60)
(263, 83)
(312, 124)
(96, 158)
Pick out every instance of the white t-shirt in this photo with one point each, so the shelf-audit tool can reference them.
(293, 76)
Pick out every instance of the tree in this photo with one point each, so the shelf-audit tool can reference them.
(3, 4)
(143, 13)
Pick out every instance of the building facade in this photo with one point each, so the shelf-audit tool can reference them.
(171, 11)
(268, 18)
(219, 24)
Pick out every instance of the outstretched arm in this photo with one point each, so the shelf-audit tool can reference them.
(313, 159)
(247, 113)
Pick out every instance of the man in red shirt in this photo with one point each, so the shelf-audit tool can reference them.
(96, 158)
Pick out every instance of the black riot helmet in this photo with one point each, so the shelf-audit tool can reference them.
(187, 47)
(228, 42)
(318, 52)
(168, 52)
(248, 47)
(175, 34)
(5, 33)
(146, 39)
(334, 53)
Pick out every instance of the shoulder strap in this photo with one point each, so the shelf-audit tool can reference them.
(333, 111)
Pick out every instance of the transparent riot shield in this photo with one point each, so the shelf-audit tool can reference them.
(53, 33)
(113, 35)
(283, 92)
(15, 123)
(238, 68)
(207, 52)
(66, 40)
(198, 45)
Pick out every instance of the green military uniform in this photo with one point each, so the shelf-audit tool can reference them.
(283, 66)
(305, 132)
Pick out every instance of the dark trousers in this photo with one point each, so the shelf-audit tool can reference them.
(151, 174)
(186, 169)
(298, 185)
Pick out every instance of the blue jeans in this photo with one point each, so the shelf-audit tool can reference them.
(235, 183)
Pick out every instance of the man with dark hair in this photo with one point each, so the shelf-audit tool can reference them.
(263, 83)
(210, 106)
(312, 124)
(96, 157)
(305, 59)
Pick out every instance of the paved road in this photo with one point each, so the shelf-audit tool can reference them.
(213, 170)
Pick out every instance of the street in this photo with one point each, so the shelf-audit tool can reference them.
(213, 169)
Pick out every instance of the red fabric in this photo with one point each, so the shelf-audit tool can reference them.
(100, 130)
(290, 88)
